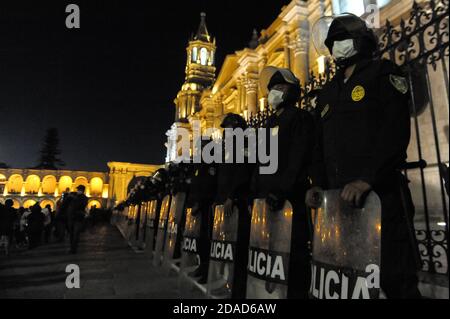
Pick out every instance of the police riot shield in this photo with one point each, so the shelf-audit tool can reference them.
(269, 251)
(161, 232)
(142, 225)
(122, 222)
(189, 253)
(222, 254)
(346, 249)
(174, 232)
(131, 221)
(133, 238)
(150, 230)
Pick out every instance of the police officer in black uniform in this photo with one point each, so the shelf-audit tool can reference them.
(201, 196)
(160, 188)
(295, 130)
(233, 188)
(364, 132)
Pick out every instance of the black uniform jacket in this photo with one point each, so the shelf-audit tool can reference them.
(203, 184)
(295, 130)
(233, 179)
(363, 126)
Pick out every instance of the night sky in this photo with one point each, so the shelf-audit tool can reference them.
(109, 86)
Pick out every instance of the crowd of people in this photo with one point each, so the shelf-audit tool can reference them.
(34, 226)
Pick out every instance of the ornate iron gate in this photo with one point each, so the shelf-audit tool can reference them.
(419, 44)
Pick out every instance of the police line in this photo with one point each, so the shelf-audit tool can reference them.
(345, 250)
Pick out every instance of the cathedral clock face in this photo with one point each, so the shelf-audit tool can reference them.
(203, 56)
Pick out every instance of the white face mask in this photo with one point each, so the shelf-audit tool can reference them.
(275, 98)
(344, 49)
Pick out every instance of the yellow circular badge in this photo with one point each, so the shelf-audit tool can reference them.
(358, 93)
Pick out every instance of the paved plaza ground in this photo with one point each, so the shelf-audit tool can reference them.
(109, 268)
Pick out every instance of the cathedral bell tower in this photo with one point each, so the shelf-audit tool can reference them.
(200, 75)
(200, 72)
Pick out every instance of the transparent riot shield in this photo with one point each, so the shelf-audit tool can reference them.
(133, 238)
(346, 249)
(161, 232)
(142, 226)
(122, 223)
(131, 222)
(150, 230)
(174, 230)
(269, 251)
(222, 254)
(189, 254)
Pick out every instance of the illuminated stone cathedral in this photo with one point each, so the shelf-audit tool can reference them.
(207, 95)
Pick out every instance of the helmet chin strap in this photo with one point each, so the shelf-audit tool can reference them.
(344, 63)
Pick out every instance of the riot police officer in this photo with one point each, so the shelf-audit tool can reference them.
(233, 186)
(364, 132)
(295, 131)
(202, 191)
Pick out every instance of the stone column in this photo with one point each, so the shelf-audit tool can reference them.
(301, 48)
(240, 99)
(251, 87)
(287, 51)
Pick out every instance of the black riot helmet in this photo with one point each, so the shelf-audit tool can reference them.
(160, 179)
(271, 76)
(234, 120)
(350, 26)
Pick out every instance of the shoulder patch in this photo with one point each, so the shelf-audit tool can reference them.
(399, 83)
(325, 111)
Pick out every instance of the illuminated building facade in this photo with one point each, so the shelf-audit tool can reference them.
(27, 187)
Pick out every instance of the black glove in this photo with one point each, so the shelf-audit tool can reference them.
(275, 202)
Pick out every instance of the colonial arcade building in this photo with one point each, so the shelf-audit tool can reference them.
(27, 187)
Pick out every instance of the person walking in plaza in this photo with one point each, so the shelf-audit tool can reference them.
(364, 132)
(61, 215)
(8, 216)
(76, 213)
(35, 226)
(47, 211)
(20, 230)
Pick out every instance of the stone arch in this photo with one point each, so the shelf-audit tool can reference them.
(16, 203)
(32, 184)
(46, 202)
(15, 184)
(28, 203)
(81, 180)
(3, 182)
(96, 187)
(49, 185)
(64, 183)
(95, 203)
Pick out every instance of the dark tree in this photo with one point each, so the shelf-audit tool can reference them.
(49, 154)
(3, 165)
